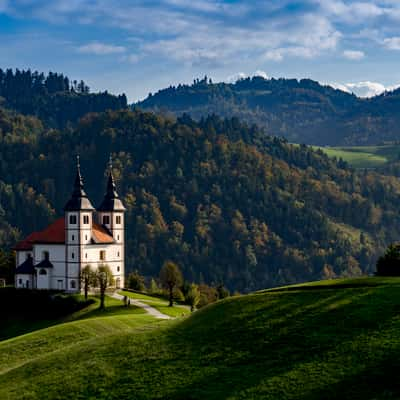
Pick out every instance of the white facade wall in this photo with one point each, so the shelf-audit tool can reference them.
(25, 281)
(21, 256)
(68, 259)
(56, 278)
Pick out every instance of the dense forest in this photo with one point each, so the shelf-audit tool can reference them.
(53, 98)
(221, 198)
(302, 111)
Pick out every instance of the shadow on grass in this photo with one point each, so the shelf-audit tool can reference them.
(248, 361)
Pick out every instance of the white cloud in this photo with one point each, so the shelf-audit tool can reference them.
(274, 55)
(100, 49)
(236, 77)
(353, 54)
(241, 75)
(392, 43)
(364, 88)
(261, 73)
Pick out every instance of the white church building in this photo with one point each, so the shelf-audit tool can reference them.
(53, 258)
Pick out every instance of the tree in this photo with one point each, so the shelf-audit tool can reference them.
(87, 279)
(223, 292)
(170, 277)
(192, 297)
(104, 279)
(7, 266)
(389, 263)
(153, 286)
(136, 281)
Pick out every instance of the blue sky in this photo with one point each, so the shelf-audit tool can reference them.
(140, 46)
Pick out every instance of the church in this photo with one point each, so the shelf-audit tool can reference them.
(54, 257)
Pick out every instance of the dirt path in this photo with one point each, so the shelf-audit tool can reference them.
(149, 309)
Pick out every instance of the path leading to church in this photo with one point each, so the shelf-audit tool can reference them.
(149, 309)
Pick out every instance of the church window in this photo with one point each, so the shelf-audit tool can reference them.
(86, 219)
(118, 254)
(118, 269)
(118, 220)
(72, 255)
(45, 255)
(73, 237)
(106, 219)
(85, 237)
(72, 219)
(117, 237)
(102, 255)
(85, 255)
(42, 272)
(73, 284)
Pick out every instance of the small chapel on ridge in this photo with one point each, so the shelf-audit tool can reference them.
(53, 258)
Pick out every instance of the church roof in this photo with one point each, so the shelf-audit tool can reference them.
(55, 234)
(44, 264)
(79, 200)
(26, 267)
(111, 200)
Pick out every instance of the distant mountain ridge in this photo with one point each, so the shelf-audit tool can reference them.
(302, 111)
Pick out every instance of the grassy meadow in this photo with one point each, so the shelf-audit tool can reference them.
(364, 156)
(158, 303)
(329, 339)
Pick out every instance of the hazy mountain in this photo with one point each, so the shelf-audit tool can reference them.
(302, 111)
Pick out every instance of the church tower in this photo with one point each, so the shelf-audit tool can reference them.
(110, 214)
(78, 227)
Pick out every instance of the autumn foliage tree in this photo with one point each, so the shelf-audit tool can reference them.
(103, 278)
(170, 278)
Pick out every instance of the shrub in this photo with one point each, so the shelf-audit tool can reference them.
(389, 263)
(136, 281)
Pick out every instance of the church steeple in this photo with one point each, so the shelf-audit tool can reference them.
(79, 200)
(111, 200)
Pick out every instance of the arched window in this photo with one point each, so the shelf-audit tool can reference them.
(42, 272)
(73, 284)
(118, 269)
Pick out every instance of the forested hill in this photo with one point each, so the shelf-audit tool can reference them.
(301, 111)
(226, 202)
(53, 98)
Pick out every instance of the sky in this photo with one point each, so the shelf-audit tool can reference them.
(138, 47)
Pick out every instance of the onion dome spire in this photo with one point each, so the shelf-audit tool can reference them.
(79, 200)
(111, 200)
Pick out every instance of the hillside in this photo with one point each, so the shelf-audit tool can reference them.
(286, 213)
(309, 342)
(302, 111)
(55, 99)
(381, 158)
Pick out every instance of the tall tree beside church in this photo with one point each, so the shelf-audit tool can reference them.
(87, 279)
(104, 279)
(170, 278)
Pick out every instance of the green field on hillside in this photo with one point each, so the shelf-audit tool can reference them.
(325, 340)
(364, 156)
(159, 304)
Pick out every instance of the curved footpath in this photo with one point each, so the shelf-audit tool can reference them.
(149, 309)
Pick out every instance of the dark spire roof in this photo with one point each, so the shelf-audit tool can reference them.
(79, 200)
(111, 200)
(26, 267)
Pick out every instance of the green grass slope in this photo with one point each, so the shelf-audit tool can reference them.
(328, 340)
(364, 156)
(159, 304)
